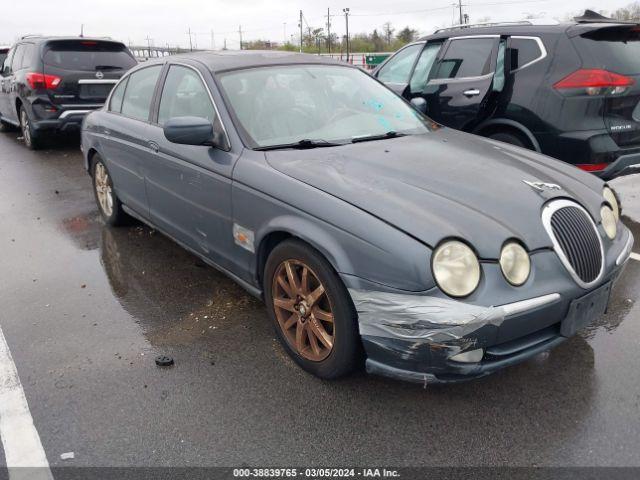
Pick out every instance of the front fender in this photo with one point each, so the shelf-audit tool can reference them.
(361, 247)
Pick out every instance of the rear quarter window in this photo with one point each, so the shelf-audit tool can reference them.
(616, 49)
(88, 55)
(523, 52)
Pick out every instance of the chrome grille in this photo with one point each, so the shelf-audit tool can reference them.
(575, 239)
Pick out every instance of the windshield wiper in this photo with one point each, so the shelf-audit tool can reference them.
(368, 138)
(301, 145)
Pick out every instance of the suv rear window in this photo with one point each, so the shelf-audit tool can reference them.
(3, 55)
(88, 55)
(616, 49)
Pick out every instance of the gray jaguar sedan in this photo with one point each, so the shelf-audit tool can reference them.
(373, 234)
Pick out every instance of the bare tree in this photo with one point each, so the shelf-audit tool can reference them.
(387, 30)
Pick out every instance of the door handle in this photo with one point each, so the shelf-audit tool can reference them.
(155, 148)
(471, 92)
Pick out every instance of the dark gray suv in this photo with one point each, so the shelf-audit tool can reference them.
(48, 84)
(368, 230)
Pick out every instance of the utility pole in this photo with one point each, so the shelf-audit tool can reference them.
(460, 6)
(213, 41)
(240, 32)
(328, 31)
(81, 30)
(149, 44)
(346, 18)
(300, 25)
(190, 44)
(284, 38)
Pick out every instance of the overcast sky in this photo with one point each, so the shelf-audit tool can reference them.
(167, 22)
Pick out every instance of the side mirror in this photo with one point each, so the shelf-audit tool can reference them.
(189, 131)
(419, 104)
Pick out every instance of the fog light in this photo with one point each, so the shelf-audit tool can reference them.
(472, 356)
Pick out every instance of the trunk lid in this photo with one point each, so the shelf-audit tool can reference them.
(88, 69)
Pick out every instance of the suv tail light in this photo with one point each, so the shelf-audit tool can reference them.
(40, 80)
(595, 82)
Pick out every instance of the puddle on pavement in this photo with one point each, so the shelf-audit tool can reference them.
(84, 230)
(174, 296)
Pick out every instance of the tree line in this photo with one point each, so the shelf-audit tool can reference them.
(316, 40)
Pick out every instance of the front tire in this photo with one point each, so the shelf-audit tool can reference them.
(108, 203)
(311, 310)
(32, 139)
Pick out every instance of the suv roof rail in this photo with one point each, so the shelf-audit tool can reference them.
(533, 21)
(38, 35)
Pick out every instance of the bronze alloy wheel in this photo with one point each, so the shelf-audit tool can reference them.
(303, 310)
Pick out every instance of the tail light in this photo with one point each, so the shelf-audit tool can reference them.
(592, 167)
(594, 82)
(40, 80)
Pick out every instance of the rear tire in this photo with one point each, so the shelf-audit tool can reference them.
(32, 139)
(109, 205)
(313, 314)
(511, 139)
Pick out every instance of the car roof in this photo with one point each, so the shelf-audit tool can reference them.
(236, 59)
(40, 39)
(523, 29)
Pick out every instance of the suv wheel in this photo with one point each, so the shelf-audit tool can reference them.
(510, 138)
(311, 310)
(32, 140)
(108, 203)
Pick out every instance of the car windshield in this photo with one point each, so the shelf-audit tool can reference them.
(283, 105)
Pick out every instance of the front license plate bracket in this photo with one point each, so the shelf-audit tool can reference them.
(584, 310)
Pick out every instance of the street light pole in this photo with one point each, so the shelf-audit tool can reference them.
(300, 25)
(346, 18)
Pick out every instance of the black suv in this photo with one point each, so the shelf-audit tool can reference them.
(48, 84)
(570, 90)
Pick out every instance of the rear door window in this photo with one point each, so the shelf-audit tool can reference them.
(398, 68)
(3, 56)
(88, 55)
(139, 93)
(466, 57)
(614, 48)
(184, 95)
(16, 64)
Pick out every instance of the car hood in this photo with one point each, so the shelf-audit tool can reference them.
(445, 184)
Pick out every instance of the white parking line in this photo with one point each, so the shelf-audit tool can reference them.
(635, 256)
(23, 451)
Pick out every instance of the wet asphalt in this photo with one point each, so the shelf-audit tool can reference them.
(85, 309)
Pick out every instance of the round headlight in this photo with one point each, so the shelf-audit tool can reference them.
(610, 197)
(608, 221)
(456, 268)
(515, 263)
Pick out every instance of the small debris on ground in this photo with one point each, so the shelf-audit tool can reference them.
(67, 456)
(164, 361)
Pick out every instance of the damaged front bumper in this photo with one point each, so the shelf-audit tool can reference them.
(419, 338)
